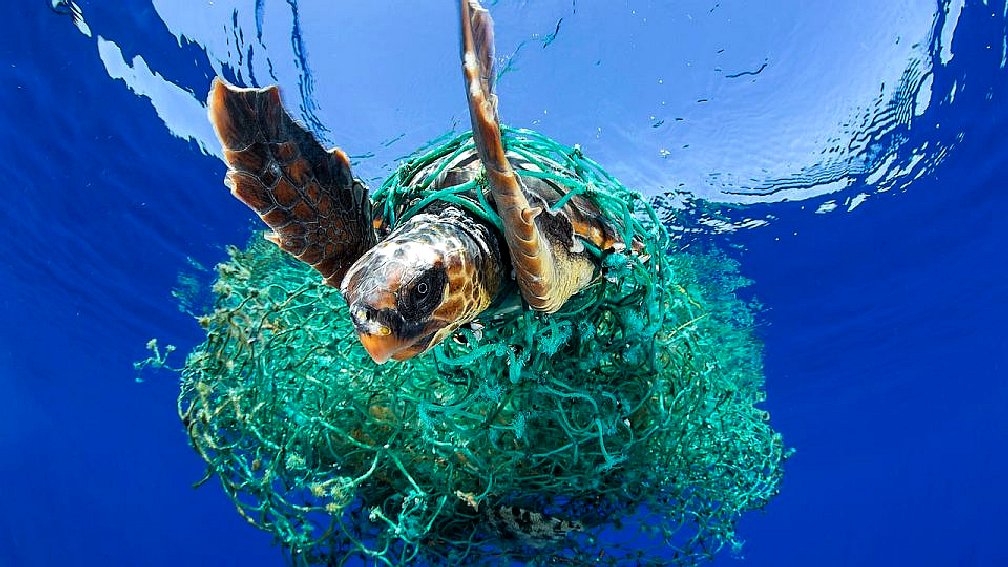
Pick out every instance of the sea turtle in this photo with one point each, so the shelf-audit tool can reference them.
(443, 266)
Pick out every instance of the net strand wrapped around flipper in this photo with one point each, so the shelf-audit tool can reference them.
(527, 437)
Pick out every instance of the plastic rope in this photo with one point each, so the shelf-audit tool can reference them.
(632, 410)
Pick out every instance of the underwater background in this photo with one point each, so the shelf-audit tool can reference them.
(850, 156)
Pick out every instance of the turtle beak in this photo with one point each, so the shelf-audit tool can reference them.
(385, 347)
(378, 339)
(378, 335)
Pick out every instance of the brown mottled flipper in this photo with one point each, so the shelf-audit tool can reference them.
(548, 270)
(318, 212)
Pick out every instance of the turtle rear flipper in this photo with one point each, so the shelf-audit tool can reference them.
(547, 269)
(318, 212)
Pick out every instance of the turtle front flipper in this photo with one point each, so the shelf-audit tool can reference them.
(548, 270)
(318, 212)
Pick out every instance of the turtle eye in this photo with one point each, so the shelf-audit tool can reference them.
(422, 298)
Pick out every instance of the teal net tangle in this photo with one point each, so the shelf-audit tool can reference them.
(624, 427)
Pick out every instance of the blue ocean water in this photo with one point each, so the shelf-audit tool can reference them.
(858, 151)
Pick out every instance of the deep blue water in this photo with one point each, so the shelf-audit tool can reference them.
(886, 348)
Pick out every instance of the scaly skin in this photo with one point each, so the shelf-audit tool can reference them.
(433, 274)
(547, 271)
(452, 258)
(440, 268)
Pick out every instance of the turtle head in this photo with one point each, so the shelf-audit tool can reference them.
(412, 290)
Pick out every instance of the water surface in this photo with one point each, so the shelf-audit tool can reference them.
(853, 153)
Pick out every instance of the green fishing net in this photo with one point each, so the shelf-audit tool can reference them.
(624, 427)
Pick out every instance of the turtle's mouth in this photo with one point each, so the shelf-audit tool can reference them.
(383, 348)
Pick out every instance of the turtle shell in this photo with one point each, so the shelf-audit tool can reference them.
(451, 174)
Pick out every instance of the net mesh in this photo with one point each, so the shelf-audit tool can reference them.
(632, 410)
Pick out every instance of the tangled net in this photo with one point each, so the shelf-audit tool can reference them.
(533, 438)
